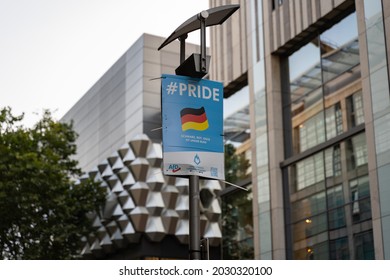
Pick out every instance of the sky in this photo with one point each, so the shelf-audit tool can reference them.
(53, 51)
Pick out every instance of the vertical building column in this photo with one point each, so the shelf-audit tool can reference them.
(275, 137)
(276, 153)
(368, 71)
(262, 214)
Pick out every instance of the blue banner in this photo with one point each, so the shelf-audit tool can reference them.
(192, 120)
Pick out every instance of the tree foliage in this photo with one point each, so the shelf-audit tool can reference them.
(43, 212)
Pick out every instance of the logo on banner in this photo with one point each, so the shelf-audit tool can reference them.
(174, 168)
(195, 119)
(197, 159)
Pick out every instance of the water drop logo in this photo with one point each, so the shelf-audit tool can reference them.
(197, 159)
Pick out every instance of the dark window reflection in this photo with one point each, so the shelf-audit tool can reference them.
(364, 246)
(237, 164)
(339, 249)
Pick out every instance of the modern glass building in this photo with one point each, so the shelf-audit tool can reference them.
(319, 106)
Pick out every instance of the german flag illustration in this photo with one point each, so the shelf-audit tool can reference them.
(193, 119)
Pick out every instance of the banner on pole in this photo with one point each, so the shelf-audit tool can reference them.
(192, 123)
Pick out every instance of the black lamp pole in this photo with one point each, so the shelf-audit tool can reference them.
(194, 208)
(197, 66)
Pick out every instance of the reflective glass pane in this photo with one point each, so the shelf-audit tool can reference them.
(318, 72)
(384, 179)
(339, 48)
(333, 121)
(386, 236)
(318, 251)
(340, 69)
(237, 226)
(364, 246)
(236, 117)
(360, 199)
(372, 9)
(308, 207)
(336, 218)
(376, 43)
(307, 172)
(333, 161)
(306, 98)
(339, 249)
(382, 139)
(335, 197)
(310, 227)
(355, 110)
(380, 91)
(356, 151)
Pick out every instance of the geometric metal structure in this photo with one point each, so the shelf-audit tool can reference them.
(142, 201)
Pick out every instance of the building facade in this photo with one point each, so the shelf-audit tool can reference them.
(319, 103)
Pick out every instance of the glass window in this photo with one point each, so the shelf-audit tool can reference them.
(311, 132)
(335, 199)
(328, 64)
(339, 249)
(333, 121)
(372, 9)
(359, 110)
(360, 149)
(237, 226)
(355, 111)
(333, 161)
(376, 44)
(324, 103)
(236, 117)
(309, 171)
(384, 189)
(236, 135)
(336, 160)
(308, 207)
(356, 151)
(382, 139)
(310, 227)
(318, 251)
(336, 218)
(339, 48)
(236, 163)
(360, 199)
(364, 246)
(306, 103)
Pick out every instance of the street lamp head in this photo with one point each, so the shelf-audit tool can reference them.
(197, 65)
(215, 16)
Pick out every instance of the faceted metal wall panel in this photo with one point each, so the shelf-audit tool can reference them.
(142, 201)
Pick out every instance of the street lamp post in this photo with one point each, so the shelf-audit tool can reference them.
(196, 66)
